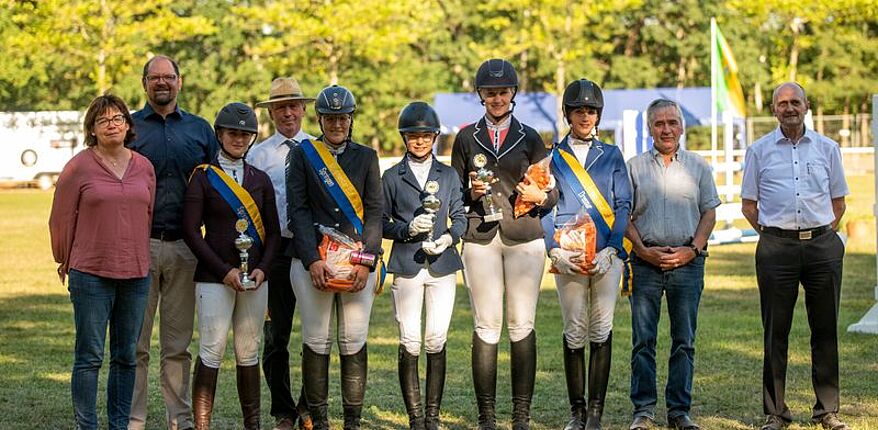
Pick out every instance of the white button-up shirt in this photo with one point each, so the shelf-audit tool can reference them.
(421, 169)
(794, 183)
(270, 156)
(580, 148)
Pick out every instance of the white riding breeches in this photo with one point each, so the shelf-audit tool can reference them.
(433, 294)
(499, 270)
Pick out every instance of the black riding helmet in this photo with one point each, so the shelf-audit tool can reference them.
(418, 117)
(336, 100)
(583, 93)
(497, 73)
(236, 116)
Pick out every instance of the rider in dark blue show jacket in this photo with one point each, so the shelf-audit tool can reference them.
(424, 267)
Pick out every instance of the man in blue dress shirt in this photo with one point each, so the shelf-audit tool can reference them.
(793, 195)
(175, 141)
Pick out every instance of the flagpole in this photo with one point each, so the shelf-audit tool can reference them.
(713, 119)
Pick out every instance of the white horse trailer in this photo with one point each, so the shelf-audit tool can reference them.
(35, 146)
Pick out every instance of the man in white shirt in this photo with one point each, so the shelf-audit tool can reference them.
(286, 108)
(793, 194)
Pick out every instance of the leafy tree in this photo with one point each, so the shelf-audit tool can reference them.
(77, 49)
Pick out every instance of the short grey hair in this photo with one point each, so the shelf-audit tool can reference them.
(788, 84)
(661, 104)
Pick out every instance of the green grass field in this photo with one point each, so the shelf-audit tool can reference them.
(36, 342)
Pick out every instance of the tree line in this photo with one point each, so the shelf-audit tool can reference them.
(60, 54)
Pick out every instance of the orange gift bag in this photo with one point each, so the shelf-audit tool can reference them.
(578, 234)
(540, 173)
(336, 249)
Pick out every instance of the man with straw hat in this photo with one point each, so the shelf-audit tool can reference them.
(286, 108)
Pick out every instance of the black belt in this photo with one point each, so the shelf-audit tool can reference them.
(166, 235)
(653, 244)
(806, 234)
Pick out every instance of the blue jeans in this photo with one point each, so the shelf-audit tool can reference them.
(96, 302)
(683, 288)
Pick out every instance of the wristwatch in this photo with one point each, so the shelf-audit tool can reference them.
(699, 252)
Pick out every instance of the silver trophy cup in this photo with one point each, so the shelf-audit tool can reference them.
(243, 243)
(492, 213)
(431, 205)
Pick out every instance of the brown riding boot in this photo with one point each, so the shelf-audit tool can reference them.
(249, 395)
(203, 392)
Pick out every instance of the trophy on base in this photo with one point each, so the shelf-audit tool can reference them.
(243, 243)
(431, 205)
(492, 213)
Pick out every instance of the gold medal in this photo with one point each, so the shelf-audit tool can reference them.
(480, 160)
(431, 187)
(241, 225)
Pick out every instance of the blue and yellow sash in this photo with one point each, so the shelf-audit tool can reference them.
(565, 165)
(339, 186)
(238, 199)
(336, 183)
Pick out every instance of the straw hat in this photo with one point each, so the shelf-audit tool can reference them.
(284, 89)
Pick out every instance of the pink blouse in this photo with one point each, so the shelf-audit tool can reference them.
(100, 224)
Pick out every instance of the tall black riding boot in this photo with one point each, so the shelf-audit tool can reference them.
(203, 392)
(574, 371)
(598, 377)
(407, 365)
(249, 395)
(524, 371)
(435, 388)
(315, 382)
(353, 386)
(484, 362)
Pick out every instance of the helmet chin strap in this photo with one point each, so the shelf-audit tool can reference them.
(419, 159)
(585, 139)
(347, 139)
(590, 136)
(502, 117)
(411, 155)
(232, 157)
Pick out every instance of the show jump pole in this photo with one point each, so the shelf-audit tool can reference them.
(869, 322)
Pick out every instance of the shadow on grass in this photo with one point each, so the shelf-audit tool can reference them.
(36, 342)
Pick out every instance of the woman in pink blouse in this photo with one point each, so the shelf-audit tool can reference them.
(100, 226)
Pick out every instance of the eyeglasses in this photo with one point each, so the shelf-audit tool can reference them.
(413, 137)
(155, 78)
(117, 120)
